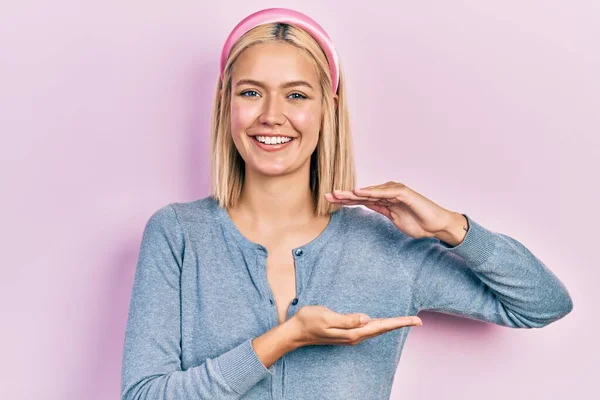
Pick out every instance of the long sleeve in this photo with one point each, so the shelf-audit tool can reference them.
(151, 366)
(490, 277)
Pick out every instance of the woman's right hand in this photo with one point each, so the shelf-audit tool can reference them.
(320, 325)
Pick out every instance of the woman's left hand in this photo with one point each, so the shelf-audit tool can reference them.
(409, 211)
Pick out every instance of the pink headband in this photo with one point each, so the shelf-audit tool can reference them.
(288, 16)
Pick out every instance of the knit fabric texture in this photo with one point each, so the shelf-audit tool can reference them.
(201, 294)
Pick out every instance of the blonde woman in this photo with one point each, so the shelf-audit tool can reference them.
(270, 288)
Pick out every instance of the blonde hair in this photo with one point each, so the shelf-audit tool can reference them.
(332, 162)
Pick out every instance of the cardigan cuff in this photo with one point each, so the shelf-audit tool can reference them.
(477, 246)
(242, 368)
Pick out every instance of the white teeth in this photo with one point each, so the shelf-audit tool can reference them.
(273, 139)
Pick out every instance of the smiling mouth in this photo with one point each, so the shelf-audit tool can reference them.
(272, 143)
(272, 140)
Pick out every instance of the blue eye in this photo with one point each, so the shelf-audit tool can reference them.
(248, 91)
(301, 96)
(244, 93)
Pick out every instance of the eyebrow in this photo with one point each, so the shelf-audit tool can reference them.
(285, 85)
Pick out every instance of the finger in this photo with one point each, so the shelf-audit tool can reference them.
(345, 321)
(373, 335)
(348, 195)
(350, 202)
(382, 325)
(380, 193)
(377, 326)
(329, 197)
(339, 199)
(398, 191)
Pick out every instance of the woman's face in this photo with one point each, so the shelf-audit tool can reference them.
(275, 108)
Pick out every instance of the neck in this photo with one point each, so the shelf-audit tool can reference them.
(276, 201)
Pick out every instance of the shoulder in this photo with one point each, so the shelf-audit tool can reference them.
(176, 215)
(366, 223)
(365, 228)
(204, 207)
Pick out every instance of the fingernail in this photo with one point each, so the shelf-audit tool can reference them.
(364, 319)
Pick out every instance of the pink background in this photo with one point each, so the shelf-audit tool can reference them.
(487, 108)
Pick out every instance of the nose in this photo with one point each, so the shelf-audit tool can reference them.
(273, 111)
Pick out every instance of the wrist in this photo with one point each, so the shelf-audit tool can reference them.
(274, 344)
(291, 334)
(455, 231)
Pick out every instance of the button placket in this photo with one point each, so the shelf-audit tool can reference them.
(261, 265)
(298, 261)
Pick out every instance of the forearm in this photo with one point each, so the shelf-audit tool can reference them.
(492, 277)
(275, 343)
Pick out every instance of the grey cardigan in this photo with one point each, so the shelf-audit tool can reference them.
(200, 295)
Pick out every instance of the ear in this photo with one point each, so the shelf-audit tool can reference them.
(335, 99)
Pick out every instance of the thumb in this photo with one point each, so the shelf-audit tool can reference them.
(350, 321)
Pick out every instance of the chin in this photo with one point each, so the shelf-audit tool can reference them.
(270, 170)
